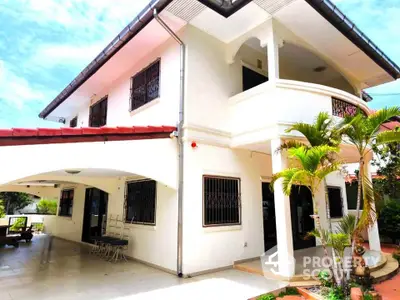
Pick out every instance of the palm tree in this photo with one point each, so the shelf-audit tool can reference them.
(307, 170)
(321, 132)
(364, 131)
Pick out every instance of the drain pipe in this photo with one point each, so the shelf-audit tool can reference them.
(180, 140)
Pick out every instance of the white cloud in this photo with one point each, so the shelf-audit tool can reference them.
(66, 33)
(17, 90)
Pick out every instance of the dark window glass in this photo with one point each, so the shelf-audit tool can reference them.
(221, 198)
(141, 202)
(351, 193)
(145, 86)
(252, 79)
(335, 202)
(74, 122)
(98, 113)
(66, 203)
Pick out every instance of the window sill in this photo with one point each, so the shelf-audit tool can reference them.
(222, 228)
(141, 226)
(144, 107)
(65, 217)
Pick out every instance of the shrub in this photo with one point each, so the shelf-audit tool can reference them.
(336, 293)
(18, 224)
(38, 227)
(325, 278)
(389, 220)
(2, 209)
(267, 297)
(47, 207)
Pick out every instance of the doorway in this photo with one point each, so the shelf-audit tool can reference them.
(269, 220)
(252, 78)
(95, 214)
(301, 207)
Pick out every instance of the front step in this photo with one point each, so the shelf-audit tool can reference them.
(389, 269)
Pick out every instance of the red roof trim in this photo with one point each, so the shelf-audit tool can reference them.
(29, 136)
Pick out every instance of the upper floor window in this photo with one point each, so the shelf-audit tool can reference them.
(66, 203)
(74, 122)
(221, 201)
(98, 113)
(141, 202)
(335, 202)
(145, 86)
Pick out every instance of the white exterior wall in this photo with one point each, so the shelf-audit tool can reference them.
(161, 111)
(207, 248)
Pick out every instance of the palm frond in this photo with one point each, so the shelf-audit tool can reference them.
(347, 225)
(325, 170)
(381, 116)
(290, 144)
(386, 137)
(312, 134)
(368, 216)
(323, 121)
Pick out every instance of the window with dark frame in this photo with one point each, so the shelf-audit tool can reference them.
(66, 203)
(221, 201)
(335, 202)
(145, 86)
(98, 113)
(74, 122)
(140, 206)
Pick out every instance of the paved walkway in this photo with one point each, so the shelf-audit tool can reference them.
(390, 289)
(64, 270)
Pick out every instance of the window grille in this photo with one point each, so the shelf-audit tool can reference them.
(98, 113)
(221, 201)
(145, 86)
(342, 108)
(66, 203)
(140, 200)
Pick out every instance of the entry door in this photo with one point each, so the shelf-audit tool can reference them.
(268, 216)
(95, 214)
(301, 207)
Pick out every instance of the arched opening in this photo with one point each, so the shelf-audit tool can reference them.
(250, 67)
(298, 63)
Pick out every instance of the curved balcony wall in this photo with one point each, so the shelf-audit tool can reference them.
(285, 102)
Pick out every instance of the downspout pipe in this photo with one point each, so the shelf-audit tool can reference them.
(182, 45)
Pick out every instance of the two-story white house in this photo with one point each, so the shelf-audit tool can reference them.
(174, 126)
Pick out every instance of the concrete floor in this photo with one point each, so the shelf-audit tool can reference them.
(67, 271)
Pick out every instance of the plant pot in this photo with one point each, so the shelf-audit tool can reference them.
(360, 271)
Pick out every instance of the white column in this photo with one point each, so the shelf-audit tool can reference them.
(273, 54)
(373, 231)
(283, 216)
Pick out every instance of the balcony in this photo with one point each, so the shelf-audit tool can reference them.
(264, 111)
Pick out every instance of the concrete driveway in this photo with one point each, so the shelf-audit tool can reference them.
(66, 271)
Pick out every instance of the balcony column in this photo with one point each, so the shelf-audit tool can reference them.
(283, 215)
(373, 231)
(273, 45)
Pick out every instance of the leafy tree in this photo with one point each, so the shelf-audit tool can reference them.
(389, 221)
(387, 159)
(307, 170)
(46, 206)
(2, 210)
(363, 132)
(321, 132)
(15, 201)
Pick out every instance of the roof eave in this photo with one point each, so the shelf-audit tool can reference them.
(334, 16)
(130, 31)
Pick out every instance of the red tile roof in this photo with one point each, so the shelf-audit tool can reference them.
(27, 136)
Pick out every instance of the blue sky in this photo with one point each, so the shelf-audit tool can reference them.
(44, 44)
